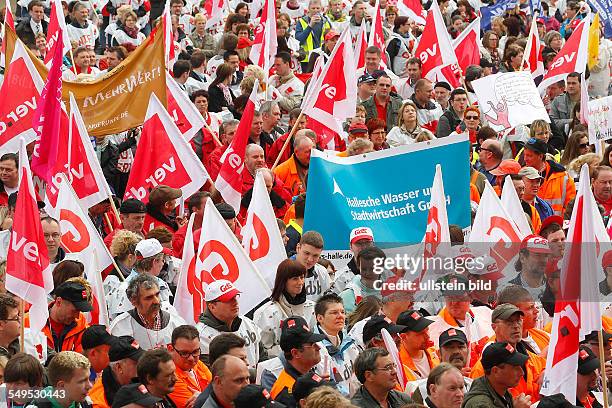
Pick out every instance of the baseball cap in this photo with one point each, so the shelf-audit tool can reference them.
(505, 311)
(365, 78)
(501, 353)
(148, 248)
(413, 320)
(553, 219)
(221, 291)
(361, 233)
(507, 166)
(455, 284)
(295, 332)
(487, 268)
(255, 396)
(132, 206)
(162, 194)
(226, 211)
(443, 84)
(593, 336)
(358, 128)
(536, 145)
(450, 335)
(305, 384)
(606, 260)
(95, 336)
(375, 324)
(125, 347)
(331, 34)
(587, 361)
(535, 243)
(540, 20)
(530, 173)
(135, 393)
(75, 293)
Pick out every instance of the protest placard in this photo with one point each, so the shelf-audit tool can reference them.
(600, 119)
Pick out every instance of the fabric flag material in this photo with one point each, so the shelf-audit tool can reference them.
(435, 49)
(46, 121)
(170, 48)
(377, 38)
(163, 156)
(188, 305)
(229, 180)
(265, 43)
(510, 201)
(535, 6)
(361, 44)
(9, 21)
(394, 352)
(584, 100)
(594, 42)
(577, 310)
(28, 274)
(17, 108)
(533, 52)
(261, 237)
(99, 314)
(184, 113)
(220, 256)
(488, 13)
(333, 96)
(214, 11)
(56, 32)
(77, 159)
(412, 9)
(603, 8)
(571, 58)
(467, 45)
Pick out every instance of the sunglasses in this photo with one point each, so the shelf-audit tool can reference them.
(472, 117)
(583, 145)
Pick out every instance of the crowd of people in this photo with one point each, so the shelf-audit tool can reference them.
(318, 341)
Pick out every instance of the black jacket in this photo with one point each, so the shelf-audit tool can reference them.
(395, 399)
(448, 123)
(25, 33)
(216, 100)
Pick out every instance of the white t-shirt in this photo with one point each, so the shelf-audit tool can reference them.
(422, 365)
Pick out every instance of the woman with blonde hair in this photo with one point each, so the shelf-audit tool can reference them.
(407, 128)
(128, 33)
(592, 159)
(123, 250)
(424, 136)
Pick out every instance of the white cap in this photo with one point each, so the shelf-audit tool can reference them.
(361, 233)
(221, 290)
(148, 248)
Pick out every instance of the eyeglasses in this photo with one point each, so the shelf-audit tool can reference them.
(583, 145)
(388, 368)
(479, 149)
(472, 117)
(187, 354)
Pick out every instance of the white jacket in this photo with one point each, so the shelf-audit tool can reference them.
(317, 284)
(126, 325)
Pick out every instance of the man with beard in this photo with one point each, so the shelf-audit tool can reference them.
(508, 326)
(146, 322)
(453, 351)
(416, 352)
(293, 171)
(156, 371)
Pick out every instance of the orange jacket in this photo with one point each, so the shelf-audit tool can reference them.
(98, 399)
(474, 194)
(541, 338)
(186, 386)
(71, 341)
(284, 381)
(534, 366)
(536, 221)
(558, 188)
(411, 372)
(287, 172)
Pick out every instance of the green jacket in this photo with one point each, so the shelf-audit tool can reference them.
(482, 395)
(393, 107)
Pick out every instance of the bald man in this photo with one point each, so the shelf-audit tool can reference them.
(489, 157)
(293, 171)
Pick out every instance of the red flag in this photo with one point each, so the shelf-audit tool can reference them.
(57, 25)
(27, 267)
(377, 37)
(360, 46)
(77, 159)
(413, 9)
(189, 300)
(467, 45)
(184, 113)
(435, 49)
(214, 12)
(533, 52)
(229, 180)
(46, 121)
(332, 98)
(172, 49)
(17, 108)
(265, 43)
(163, 156)
(571, 58)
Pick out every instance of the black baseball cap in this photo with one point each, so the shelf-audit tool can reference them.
(226, 211)
(305, 384)
(295, 332)
(135, 393)
(95, 336)
(75, 293)
(365, 78)
(375, 324)
(501, 353)
(587, 361)
(255, 396)
(451, 335)
(455, 284)
(125, 347)
(536, 145)
(443, 84)
(593, 336)
(413, 320)
(133, 206)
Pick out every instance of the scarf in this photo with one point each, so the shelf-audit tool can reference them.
(226, 93)
(292, 306)
(131, 32)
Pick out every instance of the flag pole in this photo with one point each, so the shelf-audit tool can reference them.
(282, 150)
(21, 329)
(602, 362)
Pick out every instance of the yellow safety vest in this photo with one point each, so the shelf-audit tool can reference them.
(309, 46)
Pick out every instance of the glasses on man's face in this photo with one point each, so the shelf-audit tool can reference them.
(187, 354)
(472, 117)
(479, 149)
(388, 368)
(12, 319)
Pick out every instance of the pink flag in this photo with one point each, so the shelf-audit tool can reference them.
(163, 156)
(377, 37)
(46, 121)
(332, 98)
(57, 26)
(229, 180)
(265, 43)
(28, 274)
(571, 58)
(435, 49)
(260, 235)
(533, 52)
(413, 9)
(184, 113)
(361, 44)
(15, 124)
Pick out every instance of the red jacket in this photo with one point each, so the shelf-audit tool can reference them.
(276, 148)
(213, 164)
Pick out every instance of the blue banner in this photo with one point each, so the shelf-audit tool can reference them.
(498, 9)
(387, 191)
(604, 8)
